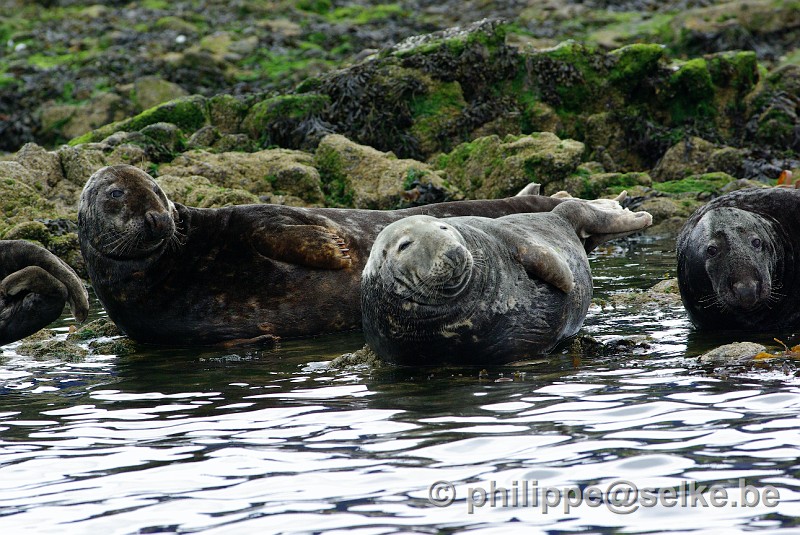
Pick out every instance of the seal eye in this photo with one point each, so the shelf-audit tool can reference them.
(403, 246)
(712, 250)
(116, 193)
(756, 243)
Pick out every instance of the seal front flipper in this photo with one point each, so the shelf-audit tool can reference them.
(307, 245)
(544, 263)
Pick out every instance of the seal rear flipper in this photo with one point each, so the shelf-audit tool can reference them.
(544, 263)
(306, 245)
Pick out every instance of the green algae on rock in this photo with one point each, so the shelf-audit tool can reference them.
(492, 167)
(363, 177)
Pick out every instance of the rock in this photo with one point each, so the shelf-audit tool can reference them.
(73, 120)
(119, 347)
(255, 172)
(54, 349)
(187, 113)
(47, 175)
(165, 141)
(587, 185)
(19, 203)
(363, 357)
(291, 121)
(226, 113)
(150, 91)
(774, 109)
(663, 294)
(102, 327)
(199, 192)
(79, 163)
(664, 208)
(732, 354)
(695, 156)
(491, 167)
(363, 177)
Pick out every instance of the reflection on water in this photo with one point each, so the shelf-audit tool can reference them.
(273, 441)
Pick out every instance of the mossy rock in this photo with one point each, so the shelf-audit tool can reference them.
(435, 115)
(704, 183)
(119, 347)
(492, 167)
(198, 191)
(226, 113)
(278, 120)
(150, 91)
(29, 230)
(634, 65)
(19, 203)
(252, 172)
(692, 92)
(52, 349)
(363, 177)
(594, 185)
(98, 328)
(187, 113)
(694, 156)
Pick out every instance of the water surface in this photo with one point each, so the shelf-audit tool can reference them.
(188, 441)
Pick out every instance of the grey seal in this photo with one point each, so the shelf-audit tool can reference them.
(739, 261)
(472, 290)
(34, 287)
(175, 275)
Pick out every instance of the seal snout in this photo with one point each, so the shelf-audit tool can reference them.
(158, 225)
(746, 292)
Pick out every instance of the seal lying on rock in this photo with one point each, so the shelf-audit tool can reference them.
(171, 274)
(34, 287)
(739, 261)
(472, 290)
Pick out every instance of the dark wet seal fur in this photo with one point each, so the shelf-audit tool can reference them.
(739, 261)
(171, 274)
(472, 290)
(34, 287)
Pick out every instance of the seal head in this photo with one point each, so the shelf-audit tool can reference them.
(129, 215)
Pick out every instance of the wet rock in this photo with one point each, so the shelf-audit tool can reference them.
(732, 354)
(694, 156)
(164, 141)
(257, 172)
(363, 177)
(52, 349)
(492, 167)
(119, 347)
(663, 294)
(150, 91)
(361, 358)
(102, 327)
(199, 192)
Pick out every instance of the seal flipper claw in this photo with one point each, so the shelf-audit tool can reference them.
(306, 245)
(544, 263)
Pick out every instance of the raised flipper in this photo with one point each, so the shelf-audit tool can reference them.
(542, 262)
(307, 245)
(531, 189)
(16, 255)
(602, 220)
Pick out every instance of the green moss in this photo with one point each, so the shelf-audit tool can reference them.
(709, 182)
(692, 91)
(187, 113)
(360, 15)
(29, 230)
(335, 185)
(433, 113)
(634, 63)
(738, 70)
(282, 108)
(155, 4)
(576, 75)
(314, 6)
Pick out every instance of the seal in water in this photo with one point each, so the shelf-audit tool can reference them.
(175, 275)
(472, 290)
(739, 261)
(34, 287)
